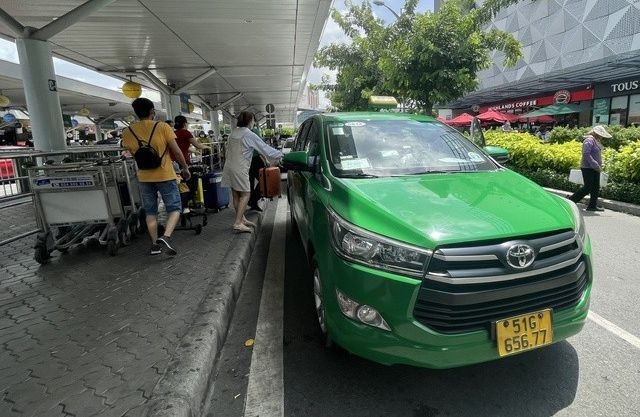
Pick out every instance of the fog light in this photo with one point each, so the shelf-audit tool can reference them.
(347, 305)
(369, 315)
(362, 313)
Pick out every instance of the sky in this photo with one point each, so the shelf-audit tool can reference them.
(332, 33)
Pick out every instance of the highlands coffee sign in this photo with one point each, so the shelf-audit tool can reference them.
(559, 97)
(515, 105)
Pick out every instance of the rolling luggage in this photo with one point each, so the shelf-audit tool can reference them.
(269, 179)
(215, 195)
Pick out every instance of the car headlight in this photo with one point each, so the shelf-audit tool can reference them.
(580, 228)
(362, 246)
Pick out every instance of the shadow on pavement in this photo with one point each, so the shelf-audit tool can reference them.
(336, 383)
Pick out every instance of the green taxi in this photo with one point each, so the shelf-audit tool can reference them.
(426, 251)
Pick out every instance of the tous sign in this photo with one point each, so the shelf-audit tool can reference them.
(626, 86)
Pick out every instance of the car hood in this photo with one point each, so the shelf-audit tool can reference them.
(436, 209)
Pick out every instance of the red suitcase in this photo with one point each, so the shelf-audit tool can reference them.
(269, 182)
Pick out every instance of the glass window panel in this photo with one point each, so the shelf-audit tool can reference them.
(634, 109)
(619, 111)
(601, 111)
(619, 103)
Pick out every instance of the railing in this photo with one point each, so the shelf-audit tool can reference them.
(14, 163)
(15, 189)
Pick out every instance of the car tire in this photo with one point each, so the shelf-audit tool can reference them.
(319, 304)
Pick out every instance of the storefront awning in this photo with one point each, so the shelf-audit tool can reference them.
(555, 109)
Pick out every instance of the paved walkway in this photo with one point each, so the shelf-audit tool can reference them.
(16, 220)
(90, 334)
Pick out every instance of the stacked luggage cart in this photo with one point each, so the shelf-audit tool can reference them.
(94, 198)
(209, 170)
(82, 202)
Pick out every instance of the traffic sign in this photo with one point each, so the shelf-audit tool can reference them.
(270, 108)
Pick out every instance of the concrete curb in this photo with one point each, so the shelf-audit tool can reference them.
(628, 208)
(183, 389)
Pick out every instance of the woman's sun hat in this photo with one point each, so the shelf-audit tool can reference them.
(600, 131)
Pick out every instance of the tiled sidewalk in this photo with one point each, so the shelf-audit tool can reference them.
(90, 334)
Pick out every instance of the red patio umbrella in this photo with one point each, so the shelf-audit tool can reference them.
(538, 119)
(496, 116)
(462, 120)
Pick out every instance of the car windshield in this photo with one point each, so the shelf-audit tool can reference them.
(401, 147)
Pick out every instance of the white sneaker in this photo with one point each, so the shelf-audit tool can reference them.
(186, 211)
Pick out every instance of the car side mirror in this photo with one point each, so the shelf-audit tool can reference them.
(298, 161)
(476, 134)
(501, 155)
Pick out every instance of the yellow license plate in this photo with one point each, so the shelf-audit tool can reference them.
(525, 332)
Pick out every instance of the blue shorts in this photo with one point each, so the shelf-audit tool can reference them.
(169, 192)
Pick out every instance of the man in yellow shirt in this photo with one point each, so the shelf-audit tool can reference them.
(161, 137)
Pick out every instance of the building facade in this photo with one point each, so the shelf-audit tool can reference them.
(583, 54)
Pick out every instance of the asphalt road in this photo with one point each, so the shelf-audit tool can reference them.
(616, 245)
(596, 373)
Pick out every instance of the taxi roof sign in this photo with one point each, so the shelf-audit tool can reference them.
(383, 101)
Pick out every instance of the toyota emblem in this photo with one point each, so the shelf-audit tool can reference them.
(520, 256)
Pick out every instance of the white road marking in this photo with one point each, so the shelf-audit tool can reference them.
(265, 391)
(621, 333)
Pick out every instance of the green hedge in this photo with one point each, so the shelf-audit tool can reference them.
(623, 165)
(548, 164)
(528, 152)
(621, 135)
(626, 192)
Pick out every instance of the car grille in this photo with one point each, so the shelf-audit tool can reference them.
(468, 288)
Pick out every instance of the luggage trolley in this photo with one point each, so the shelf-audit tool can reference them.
(123, 186)
(83, 202)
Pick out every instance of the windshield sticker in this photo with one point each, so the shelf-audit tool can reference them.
(337, 131)
(343, 157)
(355, 124)
(475, 157)
(388, 154)
(361, 163)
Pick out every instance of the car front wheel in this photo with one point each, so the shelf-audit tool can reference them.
(319, 303)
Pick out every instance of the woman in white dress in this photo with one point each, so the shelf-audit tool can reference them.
(240, 146)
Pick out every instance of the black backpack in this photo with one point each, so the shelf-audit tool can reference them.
(146, 156)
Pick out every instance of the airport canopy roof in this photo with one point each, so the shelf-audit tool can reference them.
(73, 94)
(261, 49)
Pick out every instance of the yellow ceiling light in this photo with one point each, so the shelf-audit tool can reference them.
(84, 111)
(131, 88)
(191, 107)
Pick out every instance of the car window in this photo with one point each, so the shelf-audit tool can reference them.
(302, 136)
(311, 144)
(401, 147)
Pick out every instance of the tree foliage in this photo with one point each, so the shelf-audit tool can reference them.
(421, 58)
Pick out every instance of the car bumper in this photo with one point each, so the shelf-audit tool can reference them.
(409, 342)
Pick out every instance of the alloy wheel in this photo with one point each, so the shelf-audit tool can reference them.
(319, 300)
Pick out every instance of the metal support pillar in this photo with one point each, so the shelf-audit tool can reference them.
(40, 87)
(215, 123)
(196, 81)
(74, 16)
(98, 133)
(171, 104)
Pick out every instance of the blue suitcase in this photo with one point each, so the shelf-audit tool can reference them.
(215, 195)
